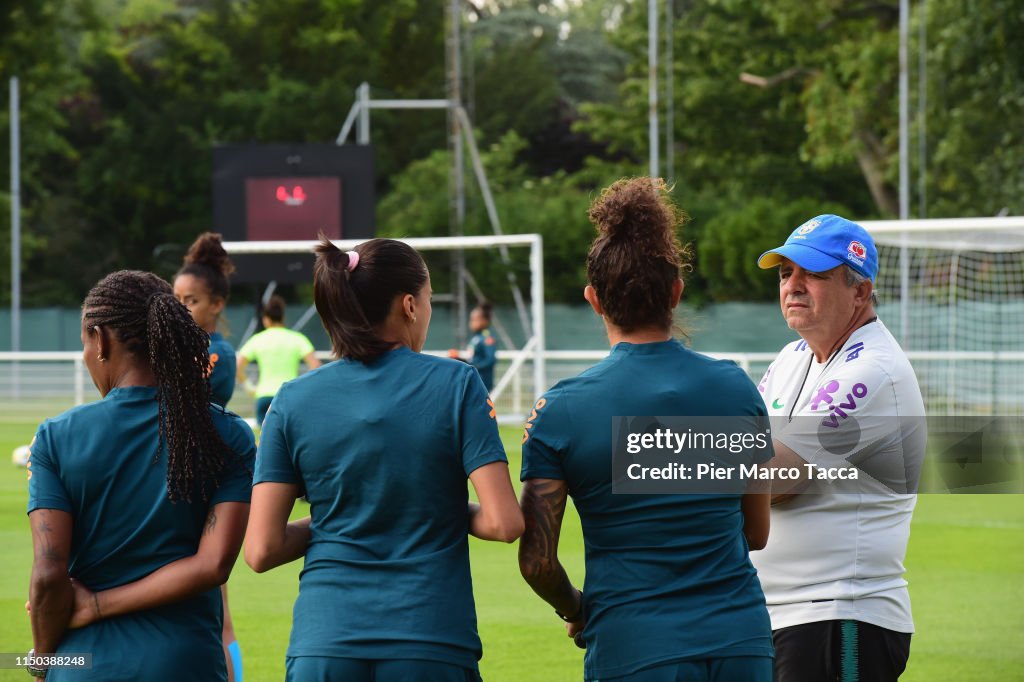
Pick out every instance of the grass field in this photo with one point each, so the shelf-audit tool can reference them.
(965, 567)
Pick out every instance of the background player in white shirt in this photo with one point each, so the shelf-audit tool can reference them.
(844, 394)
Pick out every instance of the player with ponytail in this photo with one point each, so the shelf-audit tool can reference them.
(670, 592)
(142, 497)
(381, 442)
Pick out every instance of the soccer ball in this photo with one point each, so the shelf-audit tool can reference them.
(20, 456)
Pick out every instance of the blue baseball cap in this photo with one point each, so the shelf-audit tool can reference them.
(825, 242)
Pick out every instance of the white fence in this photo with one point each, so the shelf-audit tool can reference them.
(40, 384)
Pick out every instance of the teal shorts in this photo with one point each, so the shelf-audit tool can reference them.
(733, 669)
(262, 407)
(327, 669)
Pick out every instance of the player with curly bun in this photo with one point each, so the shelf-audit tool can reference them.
(202, 286)
(670, 593)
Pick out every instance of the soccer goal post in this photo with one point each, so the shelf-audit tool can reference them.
(532, 351)
(952, 291)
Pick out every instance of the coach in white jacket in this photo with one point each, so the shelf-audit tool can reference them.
(843, 399)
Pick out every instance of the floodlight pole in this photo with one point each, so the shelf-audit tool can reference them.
(670, 165)
(15, 231)
(652, 84)
(904, 110)
(904, 87)
(457, 178)
(922, 111)
(15, 219)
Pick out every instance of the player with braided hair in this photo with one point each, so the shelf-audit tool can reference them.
(142, 497)
(202, 286)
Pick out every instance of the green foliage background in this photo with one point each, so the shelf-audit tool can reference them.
(123, 100)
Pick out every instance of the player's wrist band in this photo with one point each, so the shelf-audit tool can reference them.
(576, 617)
(35, 670)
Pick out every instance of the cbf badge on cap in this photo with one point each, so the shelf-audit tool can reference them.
(826, 242)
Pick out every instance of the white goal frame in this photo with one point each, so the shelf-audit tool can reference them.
(965, 242)
(908, 234)
(534, 348)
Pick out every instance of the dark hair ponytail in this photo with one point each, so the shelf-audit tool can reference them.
(354, 299)
(636, 256)
(274, 309)
(485, 308)
(141, 309)
(207, 260)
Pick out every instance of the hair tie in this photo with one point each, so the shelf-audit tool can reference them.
(149, 299)
(353, 260)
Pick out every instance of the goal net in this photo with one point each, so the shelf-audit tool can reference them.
(520, 376)
(952, 292)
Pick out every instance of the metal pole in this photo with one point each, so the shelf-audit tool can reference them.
(363, 126)
(904, 111)
(457, 184)
(922, 113)
(492, 214)
(15, 221)
(15, 238)
(540, 377)
(652, 85)
(79, 380)
(349, 121)
(306, 317)
(904, 173)
(669, 96)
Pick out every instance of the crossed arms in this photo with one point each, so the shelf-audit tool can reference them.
(58, 602)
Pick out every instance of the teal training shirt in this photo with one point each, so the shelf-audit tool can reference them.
(98, 463)
(485, 355)
(222, 369)
(383, 451)
(668, 576)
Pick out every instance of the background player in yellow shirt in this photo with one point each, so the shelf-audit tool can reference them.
(277, 351)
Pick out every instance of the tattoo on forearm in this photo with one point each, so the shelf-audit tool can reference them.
(543, 504)
(211, 521)
(45, 548)
(543, 507)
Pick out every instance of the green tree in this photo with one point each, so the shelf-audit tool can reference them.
(37, 45)
(554, 206)
(975, 108)
(161, 82)
(739, 140)
(529, 67)
(733, 240)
